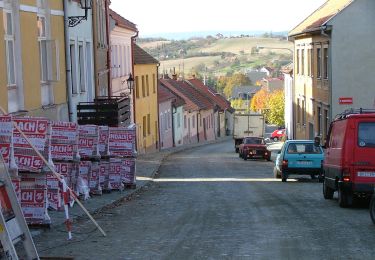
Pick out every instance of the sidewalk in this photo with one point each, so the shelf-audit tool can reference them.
(147, 167)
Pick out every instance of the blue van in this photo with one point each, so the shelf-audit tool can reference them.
(299, 157)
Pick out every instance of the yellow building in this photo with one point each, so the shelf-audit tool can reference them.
(32, 63)
(146, 100)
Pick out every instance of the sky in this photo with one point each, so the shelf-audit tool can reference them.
(167, 16)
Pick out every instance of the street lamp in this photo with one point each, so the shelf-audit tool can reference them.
(130, 82)
(75, 20)
(274, 48)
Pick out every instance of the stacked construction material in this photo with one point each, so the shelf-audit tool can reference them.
(64, 153)
(122, 152)
(88, 176)
(32, 170)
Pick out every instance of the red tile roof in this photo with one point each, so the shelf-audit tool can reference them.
(165, 94)
(142, 57)
(216, 99)
(122, 22)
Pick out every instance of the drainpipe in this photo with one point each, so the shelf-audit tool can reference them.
(132, 41)
(109, 70)
(199, 113)
(68, 63)
(157, 109)
(330, 98)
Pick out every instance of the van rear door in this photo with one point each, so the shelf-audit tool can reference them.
(364, 151)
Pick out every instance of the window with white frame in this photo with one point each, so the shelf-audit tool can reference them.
(88, 66)
(81, 62)
(9, 46)
(73, 68)
(42, 37)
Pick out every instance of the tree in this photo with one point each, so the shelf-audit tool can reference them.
(276, 105)
(259, 101)
(236, 80)
(237, 103)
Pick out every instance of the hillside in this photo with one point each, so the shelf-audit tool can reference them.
(217, 57)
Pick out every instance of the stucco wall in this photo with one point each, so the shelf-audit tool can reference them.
(166, 129)
(178, 115)
(353, 56)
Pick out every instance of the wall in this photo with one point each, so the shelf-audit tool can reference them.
(166, 129)
(190, 132)
(147, 105)
(178, 124)
(81, 34)
(353, 62)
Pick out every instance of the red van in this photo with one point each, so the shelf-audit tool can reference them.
(349, 163)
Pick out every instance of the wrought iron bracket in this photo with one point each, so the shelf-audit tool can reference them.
(75, 20)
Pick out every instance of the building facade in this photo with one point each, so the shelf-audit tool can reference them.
(33, 79)
(102, 62)
(146, 100)
(79, 58)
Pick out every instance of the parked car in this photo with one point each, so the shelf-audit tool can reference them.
(278, 134)
(349, 164)
(254, 147)
(299, 157)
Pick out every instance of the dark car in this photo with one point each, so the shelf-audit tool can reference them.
(254, 147)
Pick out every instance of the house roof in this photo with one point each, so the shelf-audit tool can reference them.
(320, 17)
(194, 99)
(142, 57)
(122, 22)
(165, 94)
(208, 92)
(189, 104)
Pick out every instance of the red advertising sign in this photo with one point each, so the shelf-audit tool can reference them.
(345, 100)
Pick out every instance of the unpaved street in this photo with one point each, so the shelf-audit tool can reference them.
(209, 204)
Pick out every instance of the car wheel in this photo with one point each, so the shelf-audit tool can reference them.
(275, 139)
(372, 208)
(245, 157)
(237, 150)
(327, 191)
(283, 179)
(345, 199)
(313, 176)
(239, 155)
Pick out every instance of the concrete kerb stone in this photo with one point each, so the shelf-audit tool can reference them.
(126, 196)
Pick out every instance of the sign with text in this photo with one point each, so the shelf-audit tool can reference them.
(345, 100)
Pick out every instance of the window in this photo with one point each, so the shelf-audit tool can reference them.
(325, 63)
(178, 120)
(81, 62)
(148, 124)
(73, 68)
(185, 125)
(298, 61)
(154, 83)
(309, 63)
(169, 119)
(41, 22)
(319, 63)
(137, 86)
(144, 126)
(302, 62)
(147, 86)
(143, 86)
(298, 112)
(193, 121)
(303, 112)
(9, 45)
(88, 65)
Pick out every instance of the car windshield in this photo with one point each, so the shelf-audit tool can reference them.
(254, 141)
(306, 148)
(366, 137)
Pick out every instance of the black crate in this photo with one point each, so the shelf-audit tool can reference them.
(111, 111)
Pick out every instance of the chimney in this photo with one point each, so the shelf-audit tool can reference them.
(174, 76)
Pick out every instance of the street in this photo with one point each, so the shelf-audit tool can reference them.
(209, 204)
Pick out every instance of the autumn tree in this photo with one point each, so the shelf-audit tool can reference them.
(259, 101)
(276, 106)
(236, 80)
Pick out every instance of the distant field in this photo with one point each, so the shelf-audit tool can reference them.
(236, 45)
(153, 45)
(241, 47)
(188, 63)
